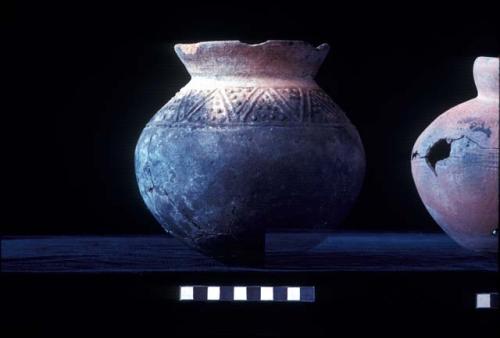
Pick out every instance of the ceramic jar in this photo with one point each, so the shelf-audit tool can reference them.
(251, 142)
(455, 164)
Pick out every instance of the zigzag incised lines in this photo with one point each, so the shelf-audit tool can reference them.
(252, 105)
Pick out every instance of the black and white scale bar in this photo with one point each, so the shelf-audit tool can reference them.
(487, 300)
(247, 293)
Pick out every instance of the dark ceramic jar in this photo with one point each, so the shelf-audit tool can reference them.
(251, 142)
(455, 164)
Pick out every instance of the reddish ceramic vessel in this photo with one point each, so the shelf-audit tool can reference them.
(455, 164)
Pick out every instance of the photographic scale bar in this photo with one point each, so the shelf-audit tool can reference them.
(202, 293)
(487, 300)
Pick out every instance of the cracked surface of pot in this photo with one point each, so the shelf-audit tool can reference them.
(455, 164)
(251, 142)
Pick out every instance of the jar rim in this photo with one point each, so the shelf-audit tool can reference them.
(271, 58)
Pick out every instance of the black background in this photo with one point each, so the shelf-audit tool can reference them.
(84, 82)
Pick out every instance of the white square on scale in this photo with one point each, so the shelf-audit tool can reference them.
(186, 293)
(213, 293)
(240, 293)
(293, 293)
(266, 293)
(483, 301)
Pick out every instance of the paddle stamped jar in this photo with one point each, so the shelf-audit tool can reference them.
(250, 143)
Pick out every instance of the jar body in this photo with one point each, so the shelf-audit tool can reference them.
(222, 162)
(455, 169)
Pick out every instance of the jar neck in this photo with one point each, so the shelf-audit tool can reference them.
(486, 71)
(260, 81)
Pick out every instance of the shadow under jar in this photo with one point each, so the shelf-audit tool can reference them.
(250, 143)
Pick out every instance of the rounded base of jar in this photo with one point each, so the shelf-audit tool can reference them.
(479, 243)
(246, 249)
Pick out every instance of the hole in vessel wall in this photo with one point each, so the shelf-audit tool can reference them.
(437, 152)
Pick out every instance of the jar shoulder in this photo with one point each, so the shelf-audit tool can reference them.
(252, 105)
